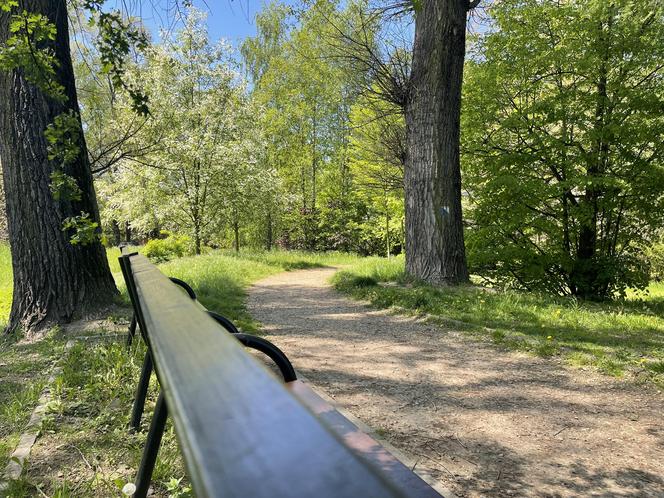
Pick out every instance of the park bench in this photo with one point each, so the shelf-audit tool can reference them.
(243, 432)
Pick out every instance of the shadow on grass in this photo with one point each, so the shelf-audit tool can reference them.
(627, 330)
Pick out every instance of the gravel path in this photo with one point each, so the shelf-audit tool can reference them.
(483, 421)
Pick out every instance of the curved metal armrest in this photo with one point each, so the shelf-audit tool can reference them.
(259, 344)
(184, 285)
(224, 322)
(272, 351)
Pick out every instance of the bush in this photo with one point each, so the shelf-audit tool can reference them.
(655, 256)
(173, 246)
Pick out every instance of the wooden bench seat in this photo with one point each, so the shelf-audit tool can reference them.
(244, 433)
(361, 443)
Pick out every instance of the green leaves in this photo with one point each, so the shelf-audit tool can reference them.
(8, 5)
(64, 148)
(117, 37)
(82, 229)
(64, 187)
(28, 48)
(63, 137)
(569, 97)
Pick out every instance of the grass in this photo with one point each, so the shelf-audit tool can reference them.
(85, 448)
(221, 277)
(24, 369)
(6, 282)
(218, 277)
(617, 337)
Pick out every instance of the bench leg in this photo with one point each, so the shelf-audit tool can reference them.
(151, 448)
(141, 393)
(132, 331)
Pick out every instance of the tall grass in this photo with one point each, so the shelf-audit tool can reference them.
(221, 277)
(616, 337)
(218, 277)
(6, 282)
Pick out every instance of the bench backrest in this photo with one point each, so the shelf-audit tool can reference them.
(242, 434)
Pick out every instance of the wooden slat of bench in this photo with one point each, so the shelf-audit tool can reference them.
(241, 432)
(400, 475)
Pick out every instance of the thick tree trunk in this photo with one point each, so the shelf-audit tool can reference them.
(53, 279)
(434, 231)
(117, 235)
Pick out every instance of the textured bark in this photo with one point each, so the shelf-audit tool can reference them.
(53, 280)
(434, 231)
(3, 213)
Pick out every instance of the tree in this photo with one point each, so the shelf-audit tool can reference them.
(200, 172)
(377, 161)
(566, 175)
(53, 278)
(305, 96)
(425, 84)
(434, 225)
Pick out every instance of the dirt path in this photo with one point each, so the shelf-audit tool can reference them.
(485, 422)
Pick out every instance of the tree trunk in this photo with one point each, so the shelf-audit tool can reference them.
(434, 231)
(270, 231)
(117, 236)
(387, 234)
(236, 234)
(53, 279)
(197, 239)
(586, 276)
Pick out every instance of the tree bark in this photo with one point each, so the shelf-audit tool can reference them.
(586, 275)
(270, 231)
(434, 230)
(117, 235)
(53, 279)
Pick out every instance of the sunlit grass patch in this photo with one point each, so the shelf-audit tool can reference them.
(220, 278)
(24, 368)
(6, 282)
(86, 448)
(616, 337)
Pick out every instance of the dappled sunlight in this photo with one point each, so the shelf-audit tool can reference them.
(482, 419)
(615, 336)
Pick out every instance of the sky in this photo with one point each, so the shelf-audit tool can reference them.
(232, 20)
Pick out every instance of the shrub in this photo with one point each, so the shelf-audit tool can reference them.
(173, 246)
(655, 256)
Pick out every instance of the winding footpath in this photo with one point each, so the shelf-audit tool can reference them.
(483, 421)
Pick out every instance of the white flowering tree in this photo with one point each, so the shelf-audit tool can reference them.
(204, 172)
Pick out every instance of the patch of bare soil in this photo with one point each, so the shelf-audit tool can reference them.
(483, 421)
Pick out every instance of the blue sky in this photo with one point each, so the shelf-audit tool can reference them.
(229, 19)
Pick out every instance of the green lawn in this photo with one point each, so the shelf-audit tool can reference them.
(5, 283)
(87, 419)
(218, 277)
(23, 369)
(618, 338)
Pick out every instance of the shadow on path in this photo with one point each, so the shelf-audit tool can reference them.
(484, 421)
